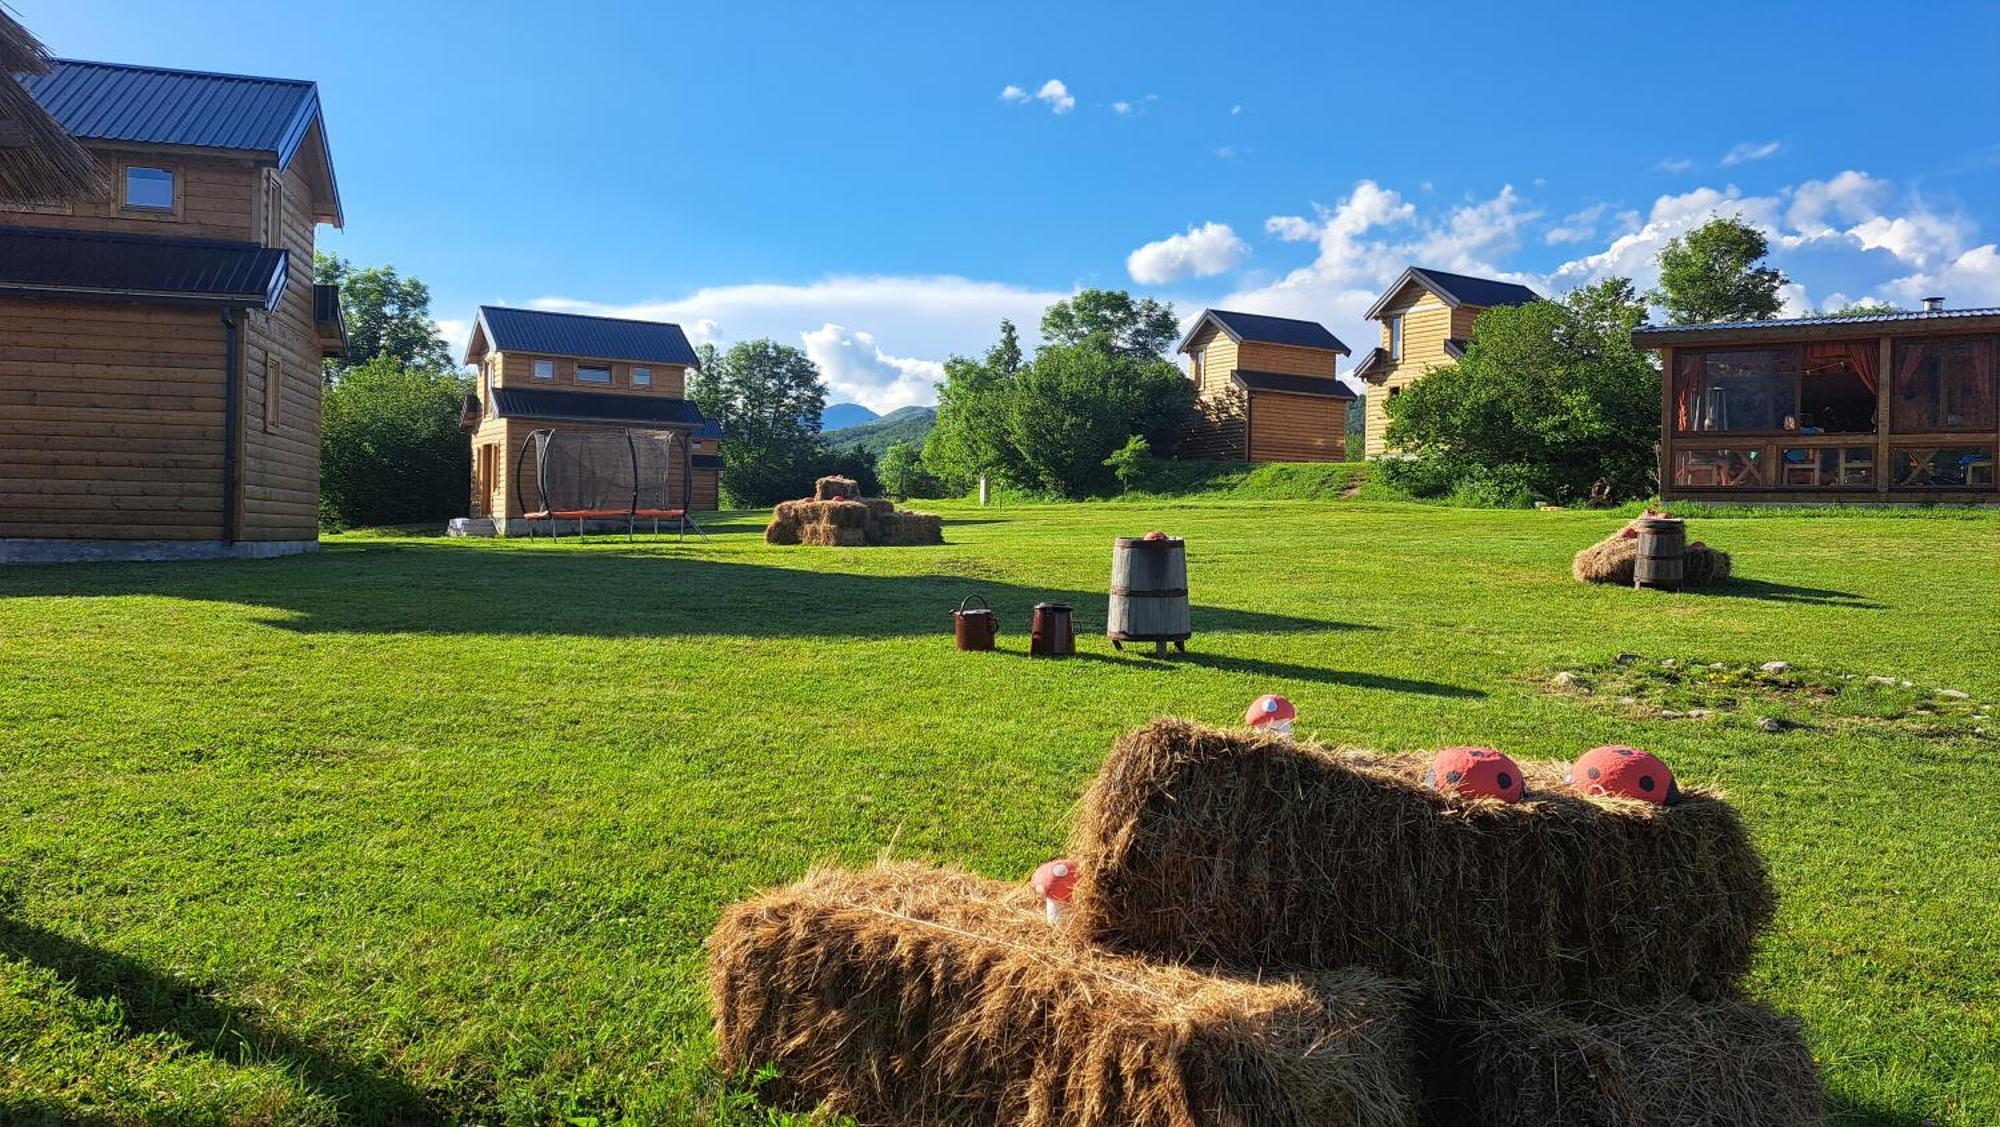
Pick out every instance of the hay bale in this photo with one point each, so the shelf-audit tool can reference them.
(910, 995)
(1208, 845)
(1664, 1064)
(824, 535)
(910, 529)
(1704, 565)
(1613, 559)
(879, 507)
(833, 487)
(781, 531)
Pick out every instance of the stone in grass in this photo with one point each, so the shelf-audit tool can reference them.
(1627, 658)
(1669, 663)
(1566, 680)
(1669, 714)
(1776, 666)
(1770, 724)
(1698, 713)
(1881, 680)
(1954, 694)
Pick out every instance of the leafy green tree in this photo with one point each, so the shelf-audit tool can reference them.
(901, 469)
(1118, 322)
(1550, 397)
(1713, 274)
(1862, 309)
(386, 314)
(391, 448)
(767, 397)
(1128, 462)
(970, 437)
(1077, 403)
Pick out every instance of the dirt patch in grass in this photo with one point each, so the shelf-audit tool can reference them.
(1774, 696)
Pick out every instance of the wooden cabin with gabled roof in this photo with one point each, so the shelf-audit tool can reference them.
(160, 340)
(613, 387)
(1427, 319)
(1266, 389)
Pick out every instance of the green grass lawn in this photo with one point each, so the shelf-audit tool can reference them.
(418, 829)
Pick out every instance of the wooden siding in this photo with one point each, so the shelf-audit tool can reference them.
(1290, 360)
(1297, 428)
(111, 421)
(517, 369)
(215, 199)
(1219, 426)
(280, 469)
(1427, 324)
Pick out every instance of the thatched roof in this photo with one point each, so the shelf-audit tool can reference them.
(38, 160)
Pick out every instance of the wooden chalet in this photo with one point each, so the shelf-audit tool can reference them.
(1888, 407)
(160, 341)
(586, 379)
(1427, 319)
(1265, 389)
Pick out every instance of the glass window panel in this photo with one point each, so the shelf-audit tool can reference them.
(1943, 467)
(1943, 384)
(545, 369)
(1827, 467)
(1719, 469)
(592, 375)
(1747, 390)
(150, 188)
(642, 377)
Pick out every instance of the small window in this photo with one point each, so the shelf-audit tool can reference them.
(642, 377)
(592, 375)
(274, 208)
(149, 189)
(545, 369)
(1200, 358)
(274, 388)
(1396, 337)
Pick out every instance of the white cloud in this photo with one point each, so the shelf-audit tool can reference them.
(1674, 165)
(1056, 95)
(857, 370)
(1746, 151)
(1235, 111)
(456, 334)
(1121, 107)
(911, 319)
(1013, 93)
(1292, 228)
(1970, 280)
(1201, 252)
(1577, 226)
(1225, 152)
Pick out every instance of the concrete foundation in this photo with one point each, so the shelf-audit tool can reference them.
(63, 551)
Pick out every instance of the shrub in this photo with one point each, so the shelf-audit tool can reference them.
(391, 450)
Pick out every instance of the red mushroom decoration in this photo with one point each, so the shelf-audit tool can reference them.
(1625, 772)
(1475, 772)
(1156, 534)
(1271, 713)
(1053, 883)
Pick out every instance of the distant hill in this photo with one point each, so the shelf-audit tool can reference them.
(840, 416)
(905, 424)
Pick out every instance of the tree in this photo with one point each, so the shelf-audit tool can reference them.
(1128, 462)
(391, 448)
(1549, 397)
(1079, 402)
(386, 314)
(1712, 274)
(767, 397)
(1862, 309)
(970, 437)
(1120, 323)
(901, 469)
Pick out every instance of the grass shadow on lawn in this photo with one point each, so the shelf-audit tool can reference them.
(446, 588)
(156, 1002)
(1787, 593)
(1139, 655)
(1844, 1112)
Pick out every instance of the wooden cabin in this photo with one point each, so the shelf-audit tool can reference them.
(1427, 319)
(1265, 389)
(1889, 407)
(583, 376)
(160, 342)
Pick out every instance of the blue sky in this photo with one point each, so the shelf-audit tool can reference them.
(881, 183)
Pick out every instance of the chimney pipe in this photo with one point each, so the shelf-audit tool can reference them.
(1933, 305)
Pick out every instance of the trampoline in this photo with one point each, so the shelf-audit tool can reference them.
(605, 475)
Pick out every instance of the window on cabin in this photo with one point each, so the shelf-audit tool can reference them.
(642, 377)
(274, 387)
(274, 208)
(545, 369)
(1753, 389)
(592, 375)
(1942, 384)
(1396, 337)
(1197, 360)
(149, 189)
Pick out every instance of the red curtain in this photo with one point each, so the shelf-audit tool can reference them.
(1859, 356)
(1687, 385)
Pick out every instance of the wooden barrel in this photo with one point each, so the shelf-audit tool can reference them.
(1149, 598)
(1662, 557)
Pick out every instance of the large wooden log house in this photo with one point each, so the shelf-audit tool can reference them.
(160, 342)
(1265, 389)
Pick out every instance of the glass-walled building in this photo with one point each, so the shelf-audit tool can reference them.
(1894, 406)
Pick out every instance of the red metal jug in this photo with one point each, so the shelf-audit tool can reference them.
(976, 627)
(1053, 631)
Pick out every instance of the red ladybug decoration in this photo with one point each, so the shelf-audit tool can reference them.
(1475, 772)
(1625, 772)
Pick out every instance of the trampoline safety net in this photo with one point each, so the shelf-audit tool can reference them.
(622, 474)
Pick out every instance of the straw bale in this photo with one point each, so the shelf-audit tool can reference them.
(910, 529)
(911, 995)
(833, 486)
(1222, 846)
(832, 536)
(1613, 559)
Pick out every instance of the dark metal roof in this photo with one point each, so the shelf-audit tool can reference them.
(594, 407)
(1266, 330)
(157, 106)
(1375, 358)
(1455, 347)
(1953, 317)
(709, 428)
(50, 263)
(1322, 386)
(706, 461)
(328, 318)
(1456, 290)
(575, 334)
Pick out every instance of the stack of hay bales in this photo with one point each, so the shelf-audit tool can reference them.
(1564, 960)
(837, 516)
(1613, 559)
